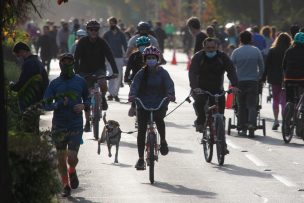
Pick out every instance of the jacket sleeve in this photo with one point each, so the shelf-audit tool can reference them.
(194, 71)
(124, 41)
(267, 65)
(134, 89)
(85, 95)
(109, 56)
(23, 78)
(169, 84)
(49, 104)
(129, 66)
(230, 69)
(261, 65)
(77, 54)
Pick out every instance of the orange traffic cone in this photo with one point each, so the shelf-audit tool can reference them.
(229, 100)
(173, 62)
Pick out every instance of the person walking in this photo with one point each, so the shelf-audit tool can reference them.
(118, 44)
(160, 35)
(45, 45)
(194, 25)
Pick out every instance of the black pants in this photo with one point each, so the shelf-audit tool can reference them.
(293, 90)
(46, 63)
(247, 103)
(200, 105)
(143, 118)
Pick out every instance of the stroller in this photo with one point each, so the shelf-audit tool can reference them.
(233, 122)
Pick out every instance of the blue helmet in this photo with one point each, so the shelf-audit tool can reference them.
(142, 41)
(299, 38)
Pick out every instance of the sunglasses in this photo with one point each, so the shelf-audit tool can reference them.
(93, 29)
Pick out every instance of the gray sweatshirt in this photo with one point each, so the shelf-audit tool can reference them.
(248, 62)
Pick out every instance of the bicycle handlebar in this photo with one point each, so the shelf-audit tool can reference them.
(151, 109)
(96, 77)
(215, 95)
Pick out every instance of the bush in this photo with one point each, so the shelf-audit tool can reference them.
(12, 70)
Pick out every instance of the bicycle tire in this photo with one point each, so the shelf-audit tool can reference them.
(208, 144)
(229, 126)
(220, 141)
(151, 158)
(264, 127)
(96, 120)
(288, 122)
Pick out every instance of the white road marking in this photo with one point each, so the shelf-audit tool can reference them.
(231, 144)
(255, 160)
(284, 180)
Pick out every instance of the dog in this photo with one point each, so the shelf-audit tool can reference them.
(111, 134)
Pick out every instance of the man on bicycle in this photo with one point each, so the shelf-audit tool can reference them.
(206, 72)
(67, 121)
(293, 66)
(90, 55)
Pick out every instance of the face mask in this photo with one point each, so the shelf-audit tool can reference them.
(151, 63)
(67, 70)
(141, 49)
(113, 27)
(211, 54)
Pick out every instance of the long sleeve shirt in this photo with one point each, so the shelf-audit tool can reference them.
(248, 62)
(117, 41)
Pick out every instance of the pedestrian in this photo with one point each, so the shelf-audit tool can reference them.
(266, 32)
(274, 74)
(194, 25)
(79, 34)
(170, 31)
(53, 36)
(118, 44)
(249, 65)
(160, 36)
(45, 45)
(258, 40)
(62, 37)
(67, 120)
(31, 84)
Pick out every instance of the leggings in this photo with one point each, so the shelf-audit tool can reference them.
(143, 118)
(278, 97)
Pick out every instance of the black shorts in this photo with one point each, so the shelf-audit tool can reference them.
(64, 139)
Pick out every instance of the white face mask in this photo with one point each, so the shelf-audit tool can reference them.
(151, 63)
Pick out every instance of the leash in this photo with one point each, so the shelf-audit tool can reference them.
(186, 100)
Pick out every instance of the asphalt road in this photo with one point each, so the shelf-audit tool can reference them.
(262, 169)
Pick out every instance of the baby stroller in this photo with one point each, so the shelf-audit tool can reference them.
(233, 122)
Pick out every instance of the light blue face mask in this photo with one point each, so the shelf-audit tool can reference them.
(211, 54)
(151, 63)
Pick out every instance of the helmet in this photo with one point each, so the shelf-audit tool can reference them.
(142, 41)
(93, 24)
(143, 26)
(151, 50)
(299, 38)
(65, 56)
(81, 32)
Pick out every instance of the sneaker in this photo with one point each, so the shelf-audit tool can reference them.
(275, 125)
(140, 165)
(74, 182)
(104, 104)
(87, 127)
(110, 97)
(66, 191)
(164, 148)
(116, 98)
(132, 112)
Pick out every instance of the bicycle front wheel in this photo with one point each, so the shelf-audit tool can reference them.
(95, 120)
(288, 122)
(151, 157)
(208, 144)
(220, 142)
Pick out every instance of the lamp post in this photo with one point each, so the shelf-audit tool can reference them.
(261, 12)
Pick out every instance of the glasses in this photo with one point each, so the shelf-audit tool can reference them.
(93, 29)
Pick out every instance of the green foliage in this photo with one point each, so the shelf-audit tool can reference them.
(11, 71)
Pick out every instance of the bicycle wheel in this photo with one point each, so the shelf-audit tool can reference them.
(299, 126)
(288, 122)
(151, 157)
(208, 144)
(229, 126)
(96, 118)
(220, 141)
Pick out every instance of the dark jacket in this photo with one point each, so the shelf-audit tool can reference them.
(199, 39)
(45, 45)
(293, 63)
(273, 66)
(90, 56)
(160, 35)
(135, 63)
(31, 67)
(208, 74)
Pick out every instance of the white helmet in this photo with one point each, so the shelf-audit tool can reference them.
(81, 33)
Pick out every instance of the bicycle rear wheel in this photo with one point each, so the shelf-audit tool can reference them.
(151, 157)
(220, 141)
(288, 122)
(208, 144)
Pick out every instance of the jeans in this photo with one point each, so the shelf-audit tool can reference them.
(114, 84)
(247, 103)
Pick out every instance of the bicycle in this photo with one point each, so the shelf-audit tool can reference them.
(152, 139)
(96, 101)
(216, 125)
(293, 116)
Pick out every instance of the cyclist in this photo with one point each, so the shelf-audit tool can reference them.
(151, 84)
(206, 72)
(249, 64)
(274, 74)
(135, 63)
(90, 55)
(67, 120)
(293, 66)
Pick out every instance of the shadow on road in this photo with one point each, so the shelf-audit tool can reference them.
(182, 190)
(122, 165)
(174, 125)
(77, 200)
(241, 171)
